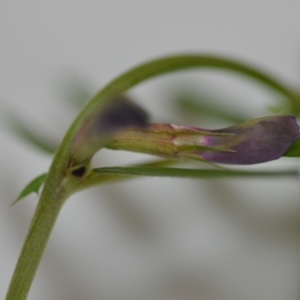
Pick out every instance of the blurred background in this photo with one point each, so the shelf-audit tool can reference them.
(149, 238)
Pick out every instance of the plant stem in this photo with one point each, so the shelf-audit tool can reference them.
(35, 243)
(56, 190)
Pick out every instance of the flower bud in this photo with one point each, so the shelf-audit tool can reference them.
(251, 142)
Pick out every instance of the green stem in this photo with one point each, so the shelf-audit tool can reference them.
(60, 183)
(35, 243)
(57, 187)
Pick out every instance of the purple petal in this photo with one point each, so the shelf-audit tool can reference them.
(255, 141)
(119, 114)
(100, 127)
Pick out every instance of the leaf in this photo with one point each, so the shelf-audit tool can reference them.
(32, 187)
(191, 173)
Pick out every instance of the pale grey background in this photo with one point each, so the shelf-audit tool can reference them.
(151, 238)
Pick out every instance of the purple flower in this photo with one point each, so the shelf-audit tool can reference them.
(122, 125)
(251, 142)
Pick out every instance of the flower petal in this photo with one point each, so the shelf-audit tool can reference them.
(255, 141)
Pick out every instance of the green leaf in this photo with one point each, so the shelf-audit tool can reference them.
(191, 173)
(32, 187)
(294, 150)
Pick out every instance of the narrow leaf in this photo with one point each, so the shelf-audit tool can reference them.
(32, 187)
(190, 173)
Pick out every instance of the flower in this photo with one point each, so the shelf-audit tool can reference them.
(122, 125)
(251, 142)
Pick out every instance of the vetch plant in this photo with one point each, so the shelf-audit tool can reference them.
(111, 120)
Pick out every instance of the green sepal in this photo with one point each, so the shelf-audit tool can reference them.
(32, 187)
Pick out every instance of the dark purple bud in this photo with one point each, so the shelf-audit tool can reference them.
(118, 115)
